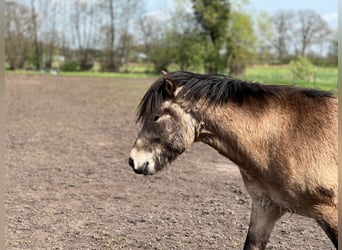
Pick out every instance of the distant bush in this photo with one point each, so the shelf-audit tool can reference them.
(301, 68)
(70, 66)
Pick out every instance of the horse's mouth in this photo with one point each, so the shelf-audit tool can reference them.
(144, 169)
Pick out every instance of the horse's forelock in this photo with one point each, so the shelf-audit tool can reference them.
(151, 100)
(156, 94)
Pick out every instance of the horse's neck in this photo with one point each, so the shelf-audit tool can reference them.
(241, 135)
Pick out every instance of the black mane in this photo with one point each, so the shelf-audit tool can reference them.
(218, 89)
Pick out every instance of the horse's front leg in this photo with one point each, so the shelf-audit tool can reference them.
(327, 218)
(262, 221)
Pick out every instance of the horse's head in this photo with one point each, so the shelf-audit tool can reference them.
(167, 128)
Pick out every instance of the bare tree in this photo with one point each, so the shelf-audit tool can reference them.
(44, 33)
(311, 30)
(49, 10)
(84, 35)
(116, 29)
(34, 22)
(149, 30)
(264, 37)
(283, 30)
(332, 56)
(153, 35)
(18, 34)
(111, 65)
(128, 10)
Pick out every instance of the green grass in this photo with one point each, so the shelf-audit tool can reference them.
(88, 74)
(325, 77)
(109, 74)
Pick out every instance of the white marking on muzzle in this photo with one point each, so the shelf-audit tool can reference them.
(141, 158)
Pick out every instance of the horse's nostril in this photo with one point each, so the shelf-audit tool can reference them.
(145, 168)
(131, 162)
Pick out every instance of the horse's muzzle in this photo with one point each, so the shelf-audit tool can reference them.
(141, 170)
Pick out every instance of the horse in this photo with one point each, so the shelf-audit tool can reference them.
(282, 138)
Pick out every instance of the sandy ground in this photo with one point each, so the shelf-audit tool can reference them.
(69, 185)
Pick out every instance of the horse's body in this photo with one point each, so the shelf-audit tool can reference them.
(284, 140)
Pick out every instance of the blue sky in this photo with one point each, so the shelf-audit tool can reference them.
(328, 9)
(320, 6)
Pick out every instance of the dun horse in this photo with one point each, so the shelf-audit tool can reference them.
(282, 138)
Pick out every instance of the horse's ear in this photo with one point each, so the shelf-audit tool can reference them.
(169, 86)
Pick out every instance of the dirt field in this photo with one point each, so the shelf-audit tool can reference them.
(69, 185)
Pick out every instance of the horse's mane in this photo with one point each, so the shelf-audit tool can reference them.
(217, 89)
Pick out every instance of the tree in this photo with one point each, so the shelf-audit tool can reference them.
(111, 64)
(311, 30)
(212, 17)
(85, 32)
(163, 53)
(116, 30)
(18, 36)
(302, 68)
(189, 51)
(283, 33)
(158, 42)
(264, 37)
(34, 22)
(175, 40)
(240, 43)
(49, 36)
(128, 10)
(149, 30)
(332, 57)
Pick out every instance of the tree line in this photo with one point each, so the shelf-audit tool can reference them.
(210, 36)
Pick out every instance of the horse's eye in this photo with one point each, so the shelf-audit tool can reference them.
(156, 117)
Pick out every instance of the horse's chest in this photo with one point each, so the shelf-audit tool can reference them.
(267, 194)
